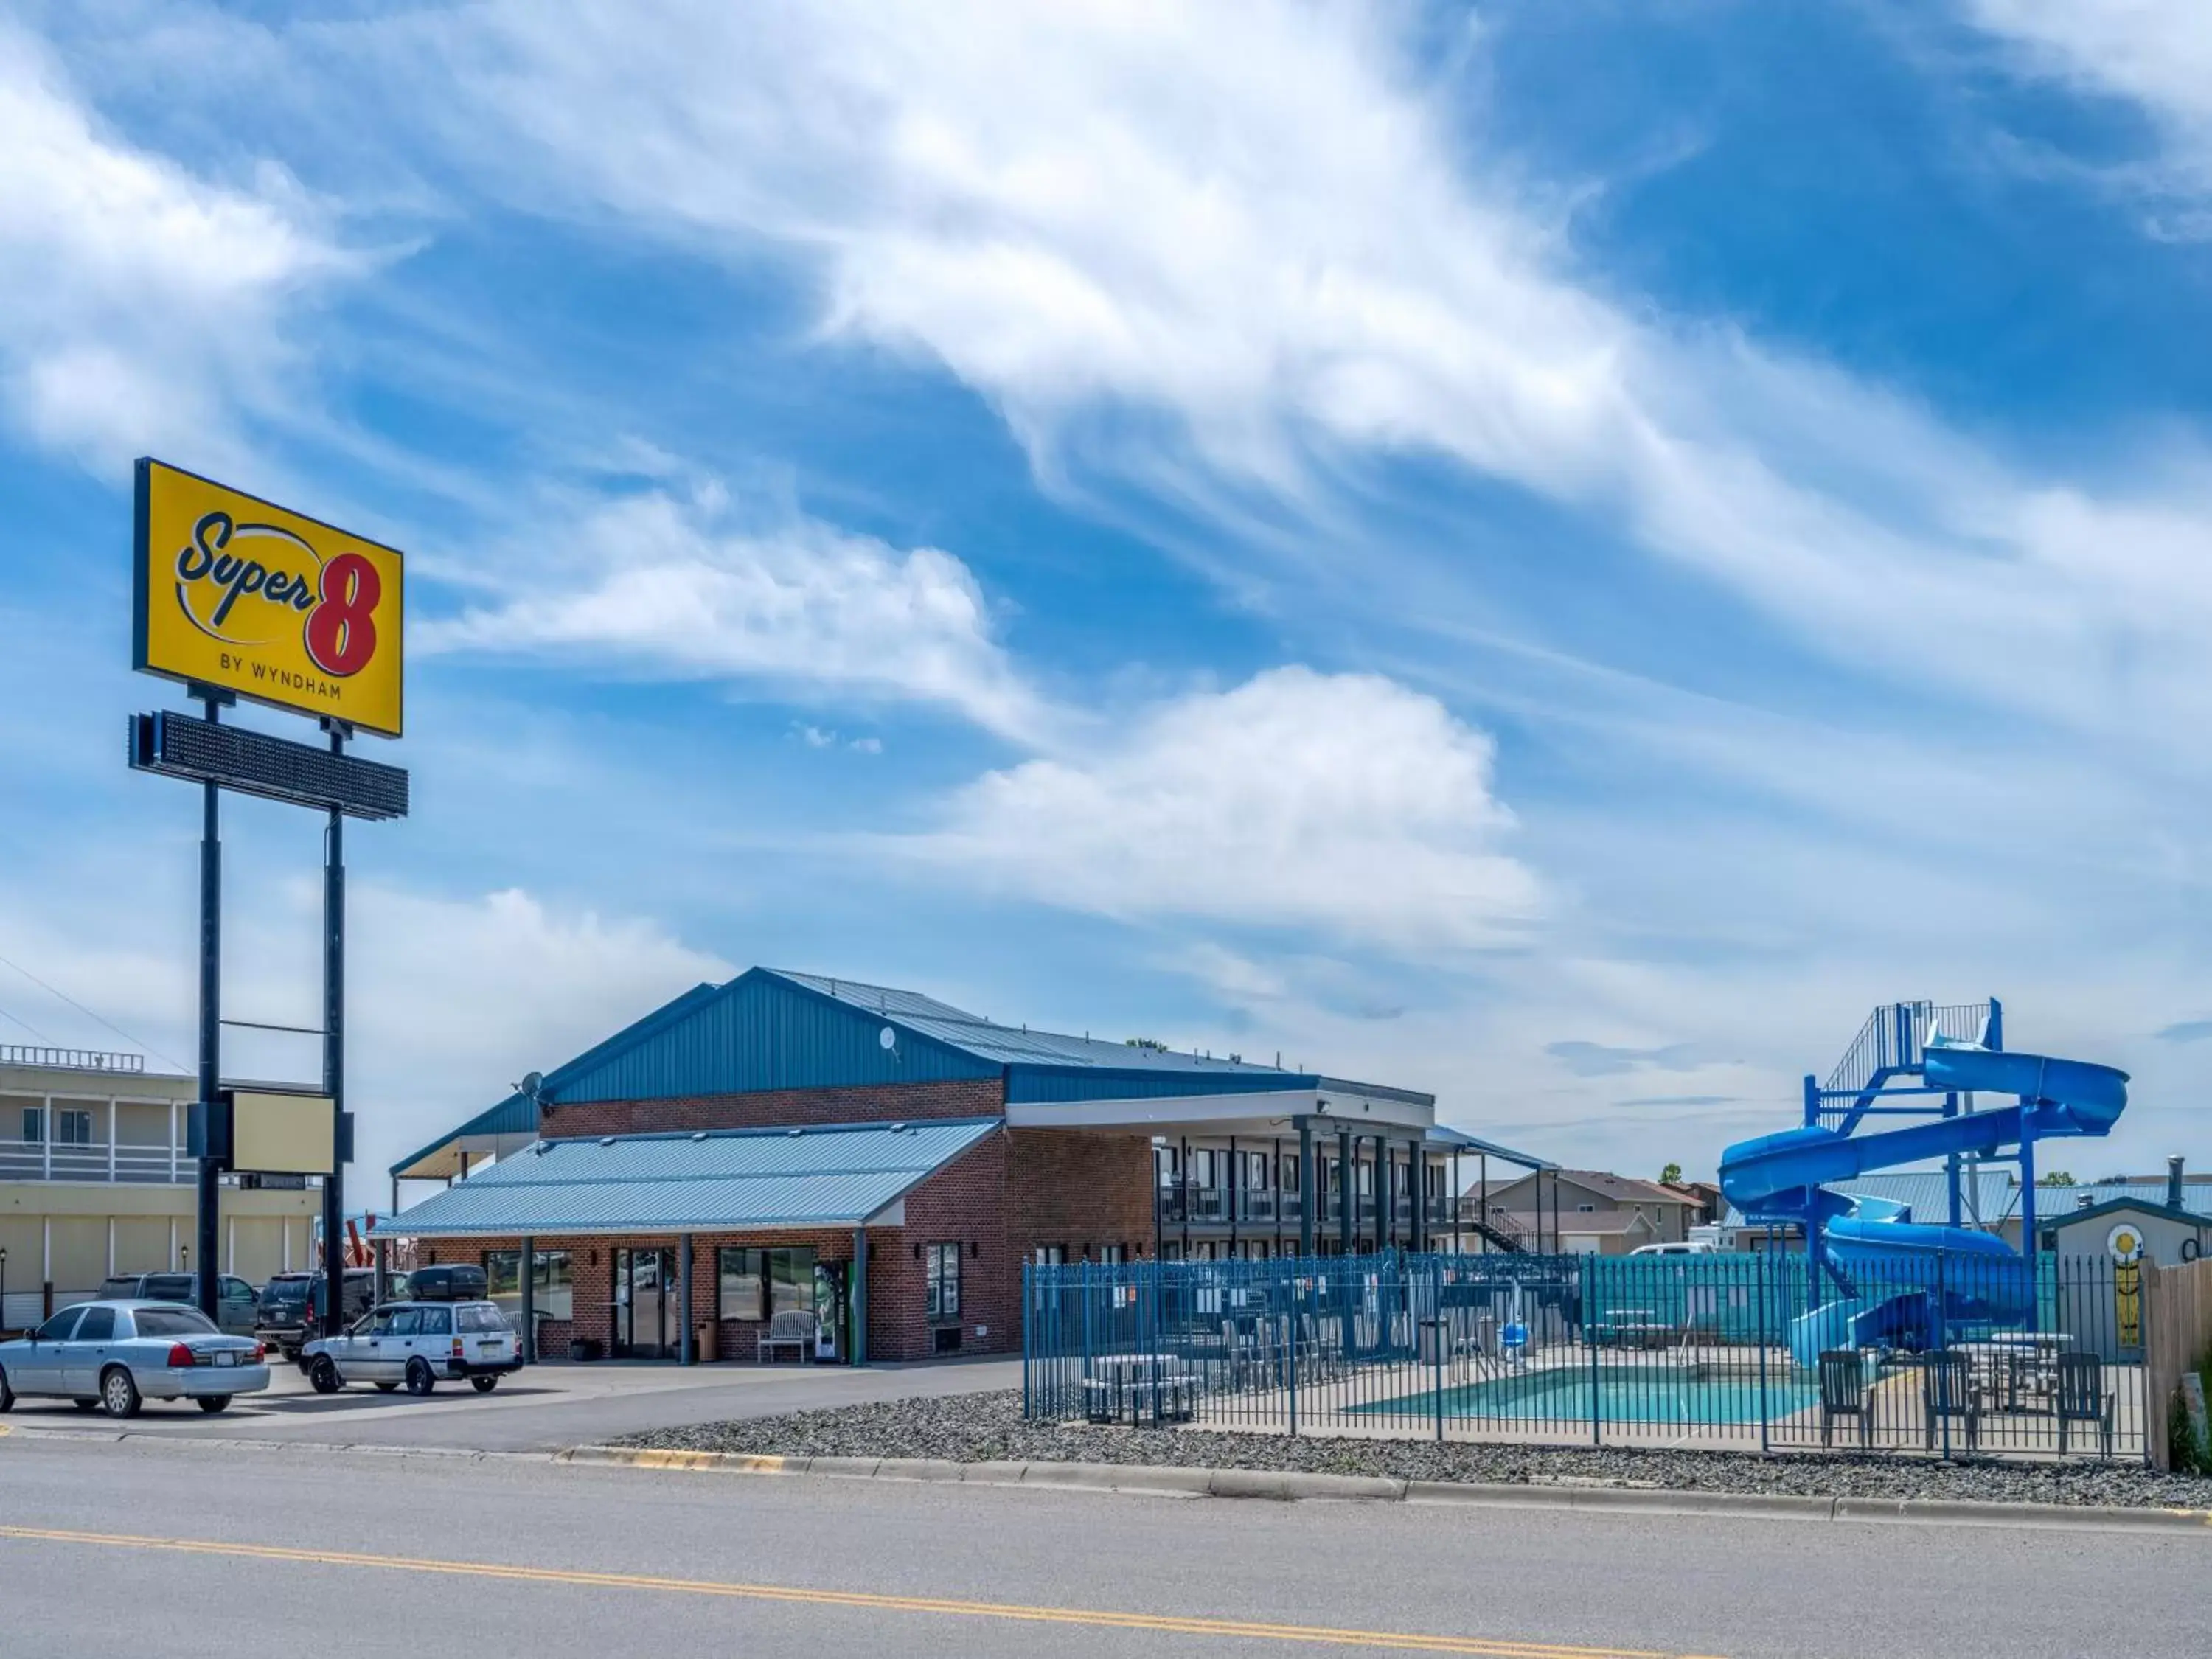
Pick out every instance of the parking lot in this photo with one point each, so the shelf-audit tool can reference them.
(544, 1408)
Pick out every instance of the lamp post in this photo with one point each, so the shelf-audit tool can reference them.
(4, 1288)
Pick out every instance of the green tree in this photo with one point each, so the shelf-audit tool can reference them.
(2056, 1178)
(1670, 1175)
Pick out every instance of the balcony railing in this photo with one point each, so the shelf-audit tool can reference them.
(25, 1160)
(1210, 1206)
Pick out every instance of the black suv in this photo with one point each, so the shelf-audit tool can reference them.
(292, 1307)
(454, 1282)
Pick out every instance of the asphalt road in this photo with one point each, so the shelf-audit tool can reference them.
(183, 1548)
(544, 1408)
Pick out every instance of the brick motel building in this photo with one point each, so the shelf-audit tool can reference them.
(789, 1145)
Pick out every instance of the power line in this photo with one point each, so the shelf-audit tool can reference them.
(18, 1020)
(88, 1014)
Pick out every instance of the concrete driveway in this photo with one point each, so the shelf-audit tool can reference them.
(544, 1408)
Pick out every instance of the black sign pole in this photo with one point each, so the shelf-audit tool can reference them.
(334, 1052)
(210, 1169)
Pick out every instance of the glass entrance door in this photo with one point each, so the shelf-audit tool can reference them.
(647, 1306)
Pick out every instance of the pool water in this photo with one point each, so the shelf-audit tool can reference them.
(1644, 1398)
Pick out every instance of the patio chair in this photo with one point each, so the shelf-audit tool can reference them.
(793, 1328)
(1844, 1393)
(2083, 1398)
(1948, 1389)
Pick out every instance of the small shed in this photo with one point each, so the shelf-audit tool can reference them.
(2167, 1234)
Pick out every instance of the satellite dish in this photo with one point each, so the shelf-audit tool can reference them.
(888, 1038)
(531, 1083)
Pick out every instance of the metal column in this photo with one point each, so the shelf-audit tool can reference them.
(1309, 1185)
(334, 1053)
(1418, 1174)
(859, 1296)
(529, 1301)
(684, 1354)
(1347, 1191)
(1235, 1181)
(1182, 1174)
(209, 1183)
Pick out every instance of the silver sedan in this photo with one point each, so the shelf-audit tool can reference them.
(116, 1355)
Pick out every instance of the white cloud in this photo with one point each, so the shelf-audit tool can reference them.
(670, 585)
(2156, 53)
(141, 307)
(1227, 250)
(1342, 803)
(449, 1000)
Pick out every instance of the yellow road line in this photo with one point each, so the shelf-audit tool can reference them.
(1318, 1634)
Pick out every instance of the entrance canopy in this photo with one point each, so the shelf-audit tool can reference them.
(841, 1175)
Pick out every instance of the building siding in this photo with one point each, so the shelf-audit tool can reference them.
(776, 1108)
(758, 1034)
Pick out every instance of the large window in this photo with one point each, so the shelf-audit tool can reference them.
(72, 1125)
(756, 1284)
(943, 1262)
(551, 1298)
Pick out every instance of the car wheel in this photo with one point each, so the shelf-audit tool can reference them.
(420, 1379)
(323, 1375)
(483, 1384)
(118, 1393)
(212, 1403)
(386, 1387)
(6, 1394)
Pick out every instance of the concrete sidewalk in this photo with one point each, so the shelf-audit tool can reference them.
(546, 1408)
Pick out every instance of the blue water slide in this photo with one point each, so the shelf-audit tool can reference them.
(1783, 1178)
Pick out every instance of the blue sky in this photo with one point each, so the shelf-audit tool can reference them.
(1555, 554)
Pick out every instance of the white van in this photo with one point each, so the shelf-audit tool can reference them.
(1694, 1247)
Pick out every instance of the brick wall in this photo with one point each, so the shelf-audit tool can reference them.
(774, 1108)
(962, 1203)
(1079, 1191)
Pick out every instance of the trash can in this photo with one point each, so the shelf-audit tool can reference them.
(702, 1342)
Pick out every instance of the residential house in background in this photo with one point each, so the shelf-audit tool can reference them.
(1593, 1212)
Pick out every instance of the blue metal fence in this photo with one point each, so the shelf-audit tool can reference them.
(1932, 1355)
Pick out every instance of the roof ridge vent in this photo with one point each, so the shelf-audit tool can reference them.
(699, 1134)
(794, 1132)
(606, 1140)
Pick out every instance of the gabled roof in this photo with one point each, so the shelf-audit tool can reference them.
(2124, 1205)
(771, 1029)
(707, 1181)
(1581, 1221)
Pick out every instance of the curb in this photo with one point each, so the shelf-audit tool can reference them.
(1154, 1479)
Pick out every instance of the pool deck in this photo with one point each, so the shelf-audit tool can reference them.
(1395, 1402)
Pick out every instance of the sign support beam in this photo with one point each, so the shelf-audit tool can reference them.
(334, 1050)
(210, 1166)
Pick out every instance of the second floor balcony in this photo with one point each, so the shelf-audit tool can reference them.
(59, 1139)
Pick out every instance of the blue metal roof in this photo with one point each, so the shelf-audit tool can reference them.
(705, 1181)
(771, 1029)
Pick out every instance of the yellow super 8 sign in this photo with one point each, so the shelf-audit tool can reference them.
(235, 592)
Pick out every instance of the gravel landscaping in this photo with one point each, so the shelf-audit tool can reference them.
(983, 1427)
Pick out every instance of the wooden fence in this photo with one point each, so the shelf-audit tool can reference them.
(2177, 1338)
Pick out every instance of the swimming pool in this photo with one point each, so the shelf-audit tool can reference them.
(1649, 1398)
